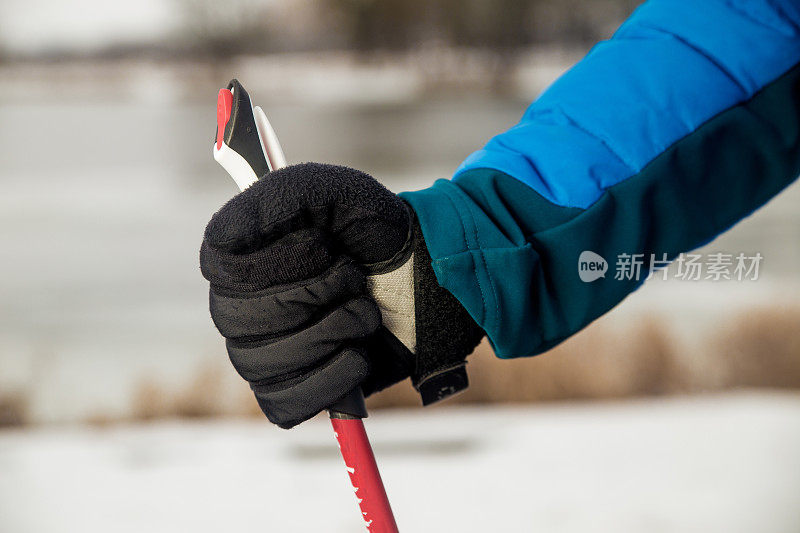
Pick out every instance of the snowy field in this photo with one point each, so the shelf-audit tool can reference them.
(716, 463)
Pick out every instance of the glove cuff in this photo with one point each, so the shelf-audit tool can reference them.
(445, 334)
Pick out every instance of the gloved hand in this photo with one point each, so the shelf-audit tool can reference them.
(320, 283)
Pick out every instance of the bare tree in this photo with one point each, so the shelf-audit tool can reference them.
(220, 30)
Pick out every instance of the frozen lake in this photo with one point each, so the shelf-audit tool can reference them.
(101, 224)
(101, 221)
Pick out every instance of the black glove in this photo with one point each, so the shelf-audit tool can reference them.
(302, 265)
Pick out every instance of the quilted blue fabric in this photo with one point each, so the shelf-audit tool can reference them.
(670, 68)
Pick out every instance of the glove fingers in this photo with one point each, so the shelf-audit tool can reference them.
(286, 307)
(279, 358)
(364, 219)
(297, 256)
(289, 405)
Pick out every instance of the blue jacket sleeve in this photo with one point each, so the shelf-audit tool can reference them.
(662, 137)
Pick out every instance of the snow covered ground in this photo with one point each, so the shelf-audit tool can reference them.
(716, 463)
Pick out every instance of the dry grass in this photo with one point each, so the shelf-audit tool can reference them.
(14, 410)
(211, 393)
(596, 363)
(150, 401)
(203, 397)
(761, 349)
(593, 364)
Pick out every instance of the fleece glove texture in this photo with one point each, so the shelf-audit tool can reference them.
(321, 283)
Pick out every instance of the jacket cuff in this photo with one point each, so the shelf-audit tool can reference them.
(446, 233)
(466, 249)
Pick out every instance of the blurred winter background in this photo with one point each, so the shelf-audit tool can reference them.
(679, 411)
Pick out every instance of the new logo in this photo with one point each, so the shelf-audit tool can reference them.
(591, 266)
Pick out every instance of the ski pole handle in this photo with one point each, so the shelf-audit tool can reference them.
(247, 148)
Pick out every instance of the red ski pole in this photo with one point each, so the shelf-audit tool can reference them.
(247, 147)
(360, 463)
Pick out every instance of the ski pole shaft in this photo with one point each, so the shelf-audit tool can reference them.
(364, 475)
(346, 418)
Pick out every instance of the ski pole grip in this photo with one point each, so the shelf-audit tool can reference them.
(351, 406)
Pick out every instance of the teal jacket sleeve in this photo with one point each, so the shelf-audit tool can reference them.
(661, 138)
